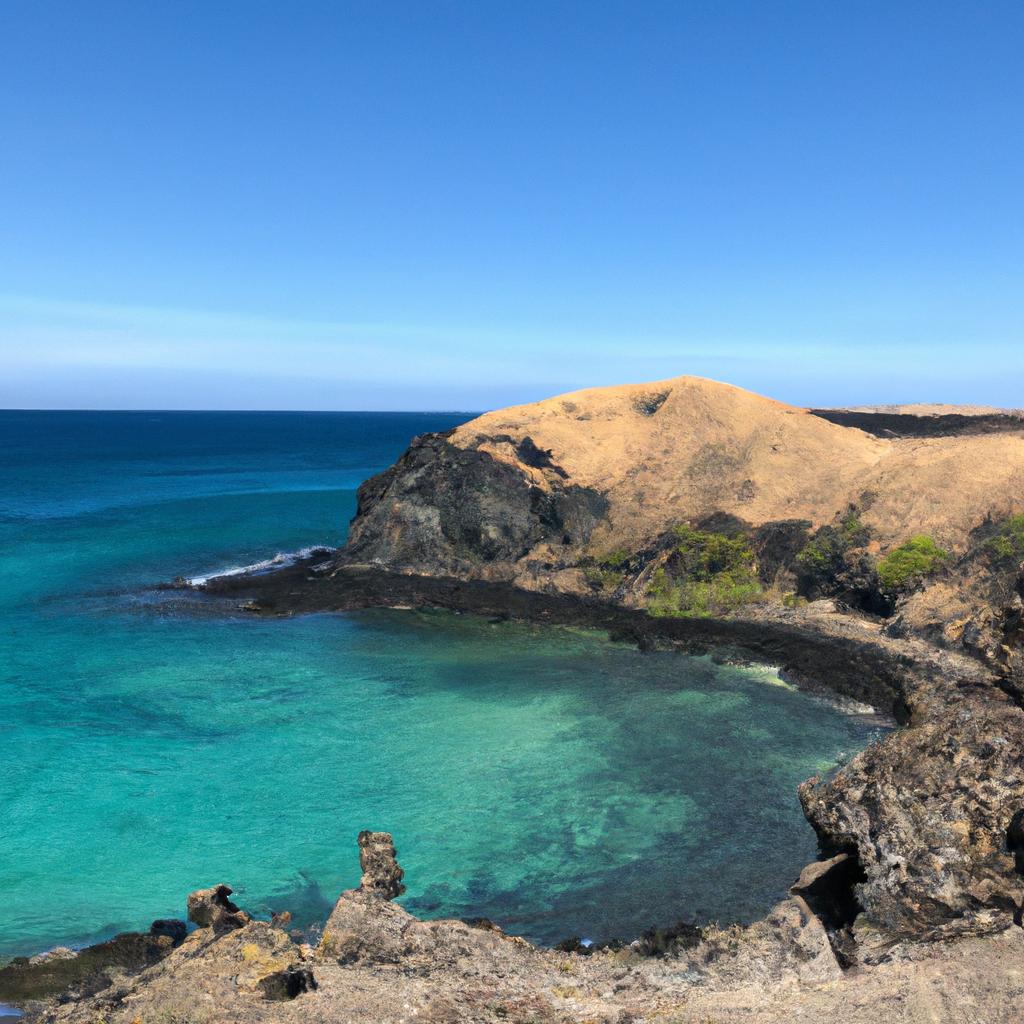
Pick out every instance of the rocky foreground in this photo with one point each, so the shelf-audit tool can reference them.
(376, 963)
(882, 559)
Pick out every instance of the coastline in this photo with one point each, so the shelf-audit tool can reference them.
(895, 890)
(819, 650)
(837, 901)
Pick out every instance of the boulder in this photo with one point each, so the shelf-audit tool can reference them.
(211, 908)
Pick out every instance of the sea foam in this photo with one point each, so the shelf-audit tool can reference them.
(279, 561)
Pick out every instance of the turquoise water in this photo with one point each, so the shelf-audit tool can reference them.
(546, 778)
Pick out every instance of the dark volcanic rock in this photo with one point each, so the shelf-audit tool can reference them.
(174, 929)
(74, 974)
(1015, 840)
(288, 983)
(447, 508)
(905, 424)
(776, 545)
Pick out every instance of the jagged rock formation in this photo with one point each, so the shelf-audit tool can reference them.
(927, 817)
(379, 863)
(211, 908)
(376, 962)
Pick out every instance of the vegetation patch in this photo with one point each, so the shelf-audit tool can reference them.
(911, 562)
(1007, 544)
(608, 572)
(602, 578)
(707, 574)
(825, 554)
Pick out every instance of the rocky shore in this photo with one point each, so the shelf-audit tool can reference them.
(375, 962)
(886, 568)
(921, 820)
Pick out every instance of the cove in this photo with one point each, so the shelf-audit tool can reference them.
(544, 777)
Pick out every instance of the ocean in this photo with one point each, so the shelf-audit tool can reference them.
(546, 778)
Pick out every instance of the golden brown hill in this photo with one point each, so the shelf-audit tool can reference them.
(684, 448)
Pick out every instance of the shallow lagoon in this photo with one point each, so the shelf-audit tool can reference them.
(543, 777)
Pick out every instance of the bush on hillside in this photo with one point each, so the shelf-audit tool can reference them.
(710, 573)
(911, 562)
(825, 553)
(1007, 544)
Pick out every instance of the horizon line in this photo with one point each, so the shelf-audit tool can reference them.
(327, 412)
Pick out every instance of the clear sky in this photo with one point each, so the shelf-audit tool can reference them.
(458, 205)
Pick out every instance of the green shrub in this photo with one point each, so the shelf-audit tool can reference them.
(662, 595)
(703, 555)
(826, 550)
(721, 594)
(910, 562)
(616, 559)
(711, 573)
(606, 579)
(1007, 545)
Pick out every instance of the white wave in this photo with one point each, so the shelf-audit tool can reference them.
(280, 561)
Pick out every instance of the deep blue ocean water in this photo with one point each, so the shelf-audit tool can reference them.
(543, 777)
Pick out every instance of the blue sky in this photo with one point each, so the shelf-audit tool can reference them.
(462, 205)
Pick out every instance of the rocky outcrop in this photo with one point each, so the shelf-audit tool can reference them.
(211, 908)
(76, 974)
(378, 860)
(468, 510)
(927, 817)
(378, 963)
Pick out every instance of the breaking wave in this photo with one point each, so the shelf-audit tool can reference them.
(279, 561)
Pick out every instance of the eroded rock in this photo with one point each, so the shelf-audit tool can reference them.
(211, 908)
(926, 813)
(377, 857)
